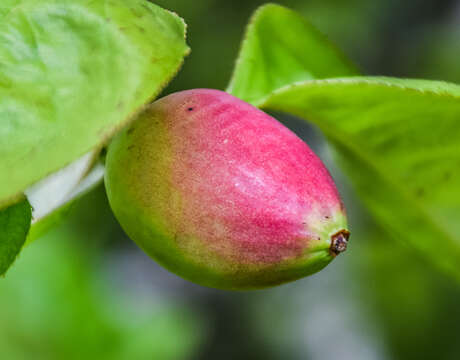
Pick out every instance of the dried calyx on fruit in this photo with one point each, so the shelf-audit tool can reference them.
(222, 194)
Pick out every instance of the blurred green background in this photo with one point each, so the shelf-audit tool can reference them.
(85, 291)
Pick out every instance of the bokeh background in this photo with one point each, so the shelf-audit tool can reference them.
(85, 291)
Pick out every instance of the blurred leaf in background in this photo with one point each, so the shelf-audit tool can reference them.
(416, 308)
(59, 302)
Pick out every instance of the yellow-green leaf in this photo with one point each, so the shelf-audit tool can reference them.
(397, 139)
(72, 72)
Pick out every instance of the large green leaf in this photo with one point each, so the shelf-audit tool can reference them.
(72, 72)
(397, 139)
(399, 142)
(280, 48)
(14, 225)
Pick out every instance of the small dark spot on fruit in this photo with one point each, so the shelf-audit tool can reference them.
(190, 109)
(327, 217)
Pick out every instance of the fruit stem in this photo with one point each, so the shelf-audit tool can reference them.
(339, 242)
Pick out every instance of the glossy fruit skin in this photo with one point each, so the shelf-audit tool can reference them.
(222, 194)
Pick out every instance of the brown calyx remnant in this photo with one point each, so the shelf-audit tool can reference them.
(339, 242)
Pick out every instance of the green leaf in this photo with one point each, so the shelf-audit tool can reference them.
(397, 139)
(72, 73)
(14, 225)
(399, 142)
(279, 48)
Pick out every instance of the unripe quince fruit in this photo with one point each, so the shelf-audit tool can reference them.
(222, 194)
